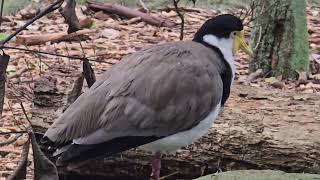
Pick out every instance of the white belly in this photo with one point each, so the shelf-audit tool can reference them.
(176, 141)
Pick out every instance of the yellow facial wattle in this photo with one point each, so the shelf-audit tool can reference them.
(239, 42)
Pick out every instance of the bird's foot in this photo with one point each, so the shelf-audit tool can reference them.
(156, 166)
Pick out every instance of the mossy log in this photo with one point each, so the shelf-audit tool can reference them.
(280, 37)
(258, 129)
(259, 175)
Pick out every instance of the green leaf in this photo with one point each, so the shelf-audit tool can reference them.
(3, 36)
(270, 80)
(11, 69)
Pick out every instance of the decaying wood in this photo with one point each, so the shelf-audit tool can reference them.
(53, 37)
(129, 13)
(258, 129)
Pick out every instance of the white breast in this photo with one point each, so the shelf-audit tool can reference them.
(225, 45)
(176, 141)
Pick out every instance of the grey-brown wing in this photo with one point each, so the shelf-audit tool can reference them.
(155, 92)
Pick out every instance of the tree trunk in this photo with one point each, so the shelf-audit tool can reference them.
(260, 130)
(281, 38)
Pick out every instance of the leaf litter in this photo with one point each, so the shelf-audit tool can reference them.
(114, 39)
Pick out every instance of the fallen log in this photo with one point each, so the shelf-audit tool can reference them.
(258, 129)
(53, 37)
(129, 13)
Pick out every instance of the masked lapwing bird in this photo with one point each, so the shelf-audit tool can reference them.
(160, 98)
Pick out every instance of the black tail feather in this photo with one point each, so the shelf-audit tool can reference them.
(79, 153)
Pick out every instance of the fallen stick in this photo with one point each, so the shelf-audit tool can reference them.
(53, 37)
(129, 13)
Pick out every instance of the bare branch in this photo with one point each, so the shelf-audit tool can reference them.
(25, 114)
(69, 14)
(175, 3)
(13, 132)
(21, 171)
(1, 13)
(11, 140)
(46, 11)
(4, 60)
(58, 55)
(144, 6)
(259, 38)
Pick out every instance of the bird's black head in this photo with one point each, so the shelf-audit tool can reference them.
(220, 26)
(224, 32)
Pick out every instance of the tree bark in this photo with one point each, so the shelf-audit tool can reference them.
(260, 130)
(281, 38)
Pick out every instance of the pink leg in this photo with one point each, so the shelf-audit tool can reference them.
(156, 166)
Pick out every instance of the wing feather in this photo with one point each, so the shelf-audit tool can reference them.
(157, 91)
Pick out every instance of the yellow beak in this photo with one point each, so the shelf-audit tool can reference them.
(239, 42)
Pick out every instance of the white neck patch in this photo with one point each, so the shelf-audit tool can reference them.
(225, 45)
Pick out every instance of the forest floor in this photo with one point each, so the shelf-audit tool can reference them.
(113, 39)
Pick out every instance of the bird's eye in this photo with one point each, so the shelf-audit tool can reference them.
(234, 33)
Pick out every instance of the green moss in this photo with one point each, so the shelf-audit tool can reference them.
(300, 55)
(283, 46)
(259, 175)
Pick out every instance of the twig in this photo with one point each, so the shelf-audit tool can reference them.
(69, 14)
(144, 6)
(21, 170)
(10, 140)
(1, 13)
(53, 54)
(13, 132)
(164, 177)
(25, 114)
(88, 72)
(49, 9)
(175, 3)
(82, 49)
(259, 38)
